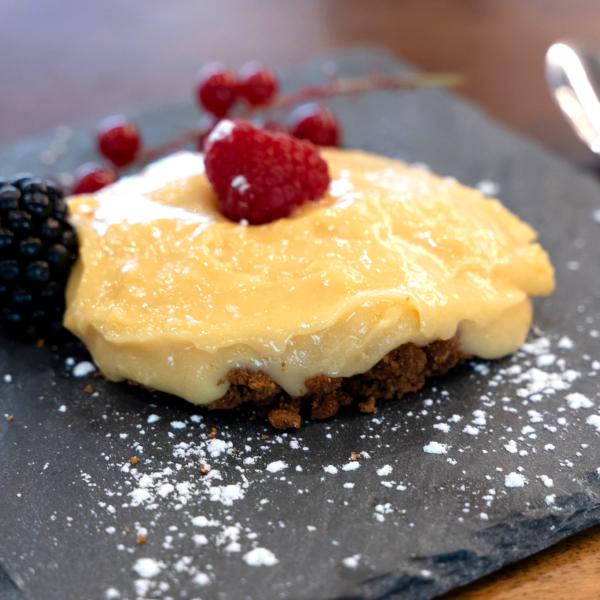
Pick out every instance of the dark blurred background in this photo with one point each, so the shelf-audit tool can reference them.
(65, 60)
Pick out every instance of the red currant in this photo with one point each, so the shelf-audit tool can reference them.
(91, 177)
(316, 124)
(256, 84)
(118, 140)
(216, 89)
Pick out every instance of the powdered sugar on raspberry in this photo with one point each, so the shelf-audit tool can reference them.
(240, 183)
(221, 131)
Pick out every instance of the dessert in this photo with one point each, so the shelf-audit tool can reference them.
(393, 275)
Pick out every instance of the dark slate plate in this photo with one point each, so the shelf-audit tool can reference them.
(398, 523)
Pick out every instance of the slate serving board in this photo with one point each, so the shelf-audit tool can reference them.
(409, 518)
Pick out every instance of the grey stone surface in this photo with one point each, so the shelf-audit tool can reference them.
(427, 526)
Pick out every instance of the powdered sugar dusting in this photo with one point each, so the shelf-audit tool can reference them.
(575, 400)
(83, 368)
(514, 480)
(147, 567)
(488, 188)
(435, 448)
(260, 557)
(221, 131)
(192, 485)
(240, 183)
(351, 562)
(594, 421)
(276, 466)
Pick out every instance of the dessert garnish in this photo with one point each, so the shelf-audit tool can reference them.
(250, 94)
(38, 246)
(259, 176)
(91, 177)
(316, 124)
(118, 140)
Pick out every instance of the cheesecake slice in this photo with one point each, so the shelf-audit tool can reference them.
(395, 275)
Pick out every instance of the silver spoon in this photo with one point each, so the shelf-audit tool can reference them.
(573, 75)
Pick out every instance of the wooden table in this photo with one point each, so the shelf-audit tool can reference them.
(64, 60)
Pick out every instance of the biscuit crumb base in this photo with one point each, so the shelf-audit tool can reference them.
(403, 370)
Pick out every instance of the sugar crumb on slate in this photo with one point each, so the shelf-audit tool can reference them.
(83, 369)
(435, 448)
(351, 562)
(594, 421)
(147, 567)
(276, 466)
(385, 470)
(514, 480)
(351, 466)
(260, 557)
(576, 400)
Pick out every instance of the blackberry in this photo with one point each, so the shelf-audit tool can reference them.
(38, 247)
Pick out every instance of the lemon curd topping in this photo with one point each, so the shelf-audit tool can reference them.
(168, 293)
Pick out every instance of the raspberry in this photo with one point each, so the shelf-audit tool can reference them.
(91, 177)
(261, 176)
(256, 84)
(316, 124)
(216, 89)
(118, 140)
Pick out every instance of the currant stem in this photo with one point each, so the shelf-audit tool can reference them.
(335, 87)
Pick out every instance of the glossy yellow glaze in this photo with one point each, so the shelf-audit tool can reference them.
(170, 294)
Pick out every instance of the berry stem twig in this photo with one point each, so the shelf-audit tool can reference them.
(314, 93)
(360, 85)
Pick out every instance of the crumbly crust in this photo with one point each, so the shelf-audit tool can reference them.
(403, 370)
